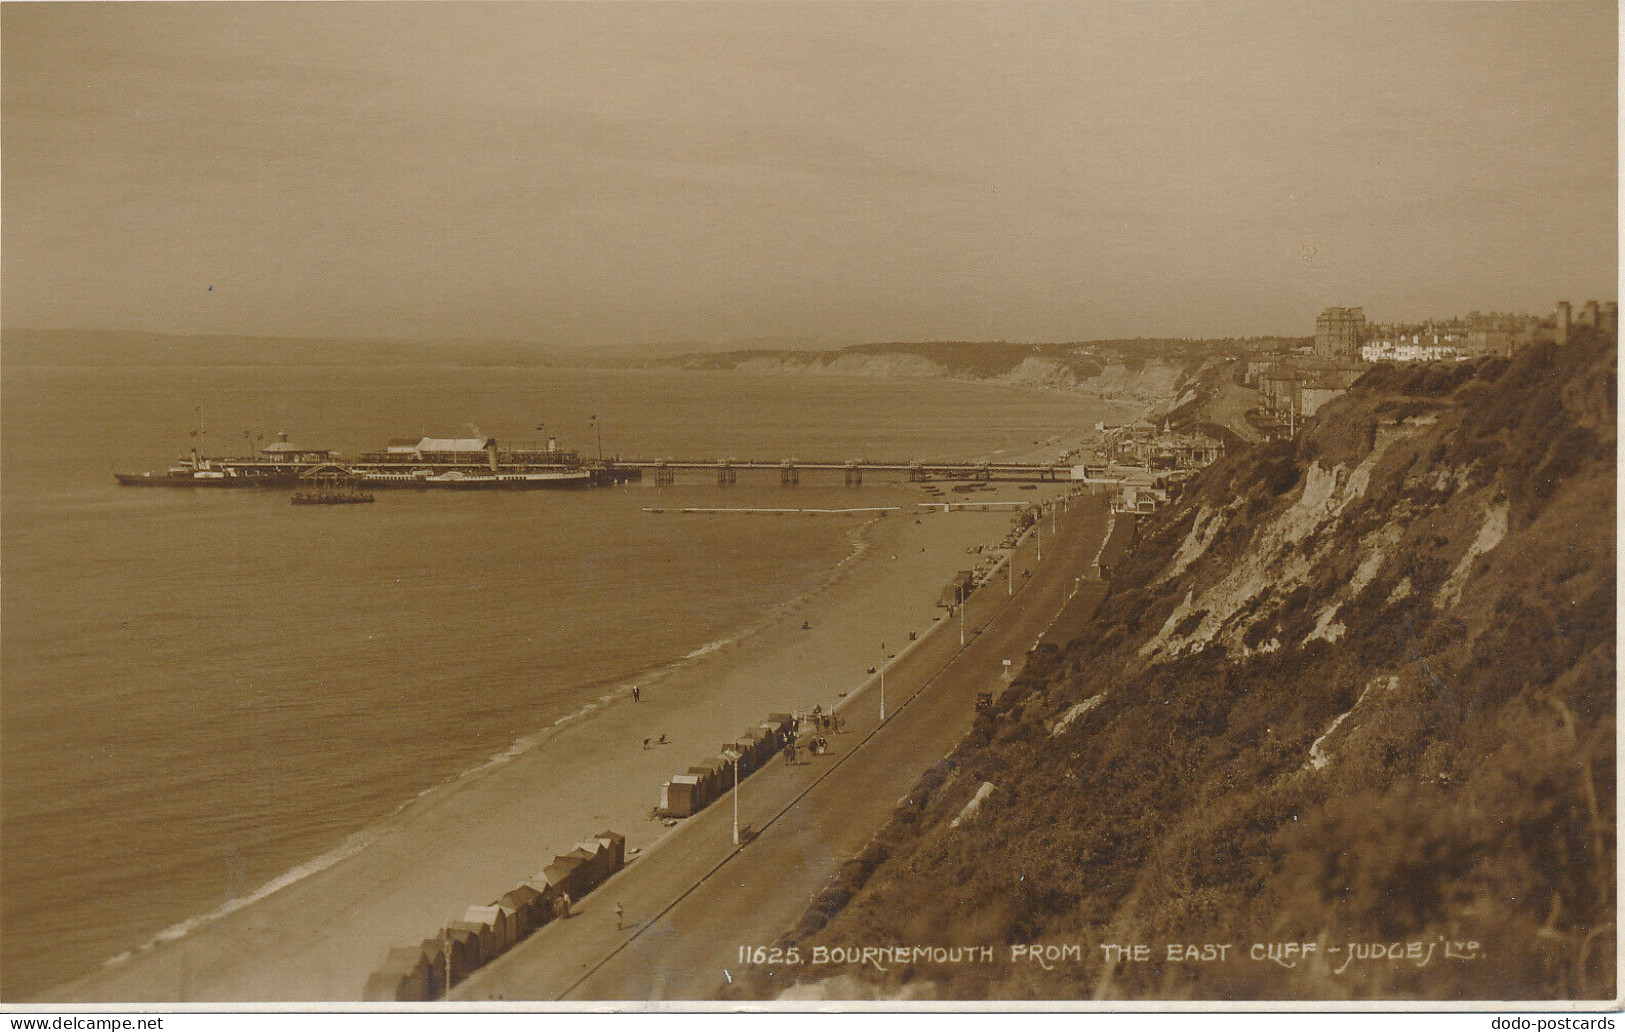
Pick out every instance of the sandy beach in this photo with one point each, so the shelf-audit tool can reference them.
(319, 938)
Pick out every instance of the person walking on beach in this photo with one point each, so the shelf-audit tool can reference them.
(619, 913)
(635, 694)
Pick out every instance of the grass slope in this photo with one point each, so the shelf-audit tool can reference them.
(1357, 687)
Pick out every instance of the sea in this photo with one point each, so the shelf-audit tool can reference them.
(204, 695)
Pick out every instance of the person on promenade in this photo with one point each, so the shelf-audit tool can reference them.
(564, 905)
(635, 694)
(619, 914)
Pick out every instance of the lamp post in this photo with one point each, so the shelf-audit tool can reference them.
(737, 761)
(882, 681)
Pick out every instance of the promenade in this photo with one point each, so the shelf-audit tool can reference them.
(692, 902)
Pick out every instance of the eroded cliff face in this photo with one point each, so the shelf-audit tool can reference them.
(1152, 379)
(1354, 689)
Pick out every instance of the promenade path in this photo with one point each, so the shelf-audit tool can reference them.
(695, 899)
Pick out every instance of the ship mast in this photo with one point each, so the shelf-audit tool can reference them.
(197, 438)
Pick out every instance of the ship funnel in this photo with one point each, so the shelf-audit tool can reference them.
(552, 445)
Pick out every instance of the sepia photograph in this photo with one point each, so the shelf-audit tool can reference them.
(1082, 505)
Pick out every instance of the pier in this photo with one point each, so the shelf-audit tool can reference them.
(726, 471)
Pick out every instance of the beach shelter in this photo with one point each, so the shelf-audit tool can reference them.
(486, 936)
(526, 905)
(616, 844)
(462, 951)
(501, 924)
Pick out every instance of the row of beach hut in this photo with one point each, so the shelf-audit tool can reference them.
(688, 793)
(428, 970)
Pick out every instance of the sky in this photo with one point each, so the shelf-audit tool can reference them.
(623, 174)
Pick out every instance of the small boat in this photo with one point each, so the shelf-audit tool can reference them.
(328, 498)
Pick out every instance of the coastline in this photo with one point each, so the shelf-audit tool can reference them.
(318, 935)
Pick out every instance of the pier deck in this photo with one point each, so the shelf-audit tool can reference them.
(790, 470)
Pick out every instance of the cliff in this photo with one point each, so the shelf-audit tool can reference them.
(1149, 372)
(1354, 691)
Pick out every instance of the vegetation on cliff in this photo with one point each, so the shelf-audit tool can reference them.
(1103, 366)
(1353, 688)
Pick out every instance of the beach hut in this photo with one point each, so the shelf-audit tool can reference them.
(546, 905)
(486, 936)
(763, 745)
(561, 874)
(958, 589)
(756, 747)
(525, 902)
(543, 908)
(416, 965)
(510, 917)
(435, 955)
(758, 750)
(707, 784)
(782, 726)
(591, 871)
(616, 844)
(594, 864)
(501, 923)
(404, 975)
(721, 774)
(384, 987)
(461, 948)
(733, 753)
(680, 797)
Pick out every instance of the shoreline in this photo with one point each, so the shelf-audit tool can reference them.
(318, 936)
